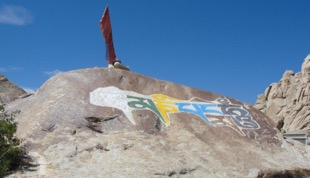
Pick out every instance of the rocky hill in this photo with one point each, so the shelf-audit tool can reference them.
(116, 123)
(288, 101)
(9, 91)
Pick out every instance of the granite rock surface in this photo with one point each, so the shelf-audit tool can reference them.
(288, 101)
(9, 91)
(114, 123)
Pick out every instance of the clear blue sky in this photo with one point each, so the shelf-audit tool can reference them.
(234, 48)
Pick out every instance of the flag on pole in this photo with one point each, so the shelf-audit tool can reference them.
(106, 28)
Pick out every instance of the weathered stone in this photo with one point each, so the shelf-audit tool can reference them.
(8, 91)
(288, 101)
(115, 123)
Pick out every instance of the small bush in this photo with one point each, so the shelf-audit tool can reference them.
(10, 150)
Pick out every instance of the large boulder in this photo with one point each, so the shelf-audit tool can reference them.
(288, 101)
(9, 91)
(116, 123)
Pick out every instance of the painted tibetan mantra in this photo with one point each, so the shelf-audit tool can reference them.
(220, 112)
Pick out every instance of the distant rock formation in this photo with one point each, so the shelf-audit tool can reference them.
(116, 123)
(8, 91)
(288, 102)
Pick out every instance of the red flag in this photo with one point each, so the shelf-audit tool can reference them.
(106, 28)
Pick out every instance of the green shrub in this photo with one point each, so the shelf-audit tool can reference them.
(10, 150)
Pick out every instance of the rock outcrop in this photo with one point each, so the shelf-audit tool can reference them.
(8, 91)
(115, 123)
(288, 102)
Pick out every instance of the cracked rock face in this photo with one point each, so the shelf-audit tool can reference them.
(288, 102)
(115, 123)
(8, 91)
